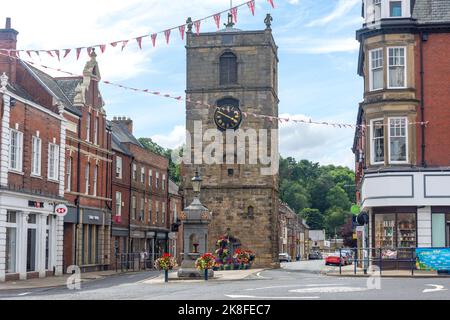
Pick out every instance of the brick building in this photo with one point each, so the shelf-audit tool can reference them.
(31, 170)
(293, 233)
(140, 188)
(234, 70)
(403, 168)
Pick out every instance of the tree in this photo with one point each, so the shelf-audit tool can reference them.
(337, 197)
(335, 218)
(295, 195)
(314, 218)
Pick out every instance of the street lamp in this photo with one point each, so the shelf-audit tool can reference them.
(196, 183)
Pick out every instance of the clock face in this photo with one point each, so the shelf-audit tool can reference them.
(227, 117)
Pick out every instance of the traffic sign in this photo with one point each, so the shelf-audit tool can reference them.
(61, 210)
(355, 209)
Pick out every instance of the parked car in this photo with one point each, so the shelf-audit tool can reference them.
(348, 255)
(284, 257)
(335, 258)
(315, 255)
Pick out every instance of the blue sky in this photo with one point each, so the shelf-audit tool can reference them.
(317, 71)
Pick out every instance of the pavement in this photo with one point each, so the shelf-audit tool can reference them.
(303, 280)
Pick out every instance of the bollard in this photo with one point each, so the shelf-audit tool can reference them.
(206, 274)
(166, 275)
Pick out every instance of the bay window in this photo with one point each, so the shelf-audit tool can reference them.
(398, 146)
(36, 146)
(376, 69)
(15, 150)
(397, 67)
(53, 161)
(377, 143)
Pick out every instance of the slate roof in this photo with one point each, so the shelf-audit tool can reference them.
(21, 92)
(432, 11)
(173, 188)
(68, 86)
(52, 86)
(122, 135)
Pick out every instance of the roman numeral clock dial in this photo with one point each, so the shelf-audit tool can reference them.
(227, 117)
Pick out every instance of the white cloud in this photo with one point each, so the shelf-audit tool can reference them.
(317, 45)
(318, 143)
(294, 1)
(341, 9)
(174, 139)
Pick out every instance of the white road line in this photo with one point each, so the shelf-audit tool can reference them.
(238, 296)
(260, 276)
(295, 285)
(437, 288)
(24, 293)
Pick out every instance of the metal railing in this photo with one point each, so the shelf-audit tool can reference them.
(389, 258)
(135, 261)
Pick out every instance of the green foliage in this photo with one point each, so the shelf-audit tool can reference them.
(174, 169)
(314, 218)
(320, 194)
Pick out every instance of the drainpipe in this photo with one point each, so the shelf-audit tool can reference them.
(77, 200)
(129, 203)
(423, 38)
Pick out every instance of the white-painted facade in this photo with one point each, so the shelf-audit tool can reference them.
(31, 237)
(376, 10)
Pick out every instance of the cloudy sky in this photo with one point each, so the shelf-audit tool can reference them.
(317, 71)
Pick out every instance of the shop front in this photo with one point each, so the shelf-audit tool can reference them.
(33, 237)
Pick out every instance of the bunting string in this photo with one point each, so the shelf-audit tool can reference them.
(246, 114)
(55, 53)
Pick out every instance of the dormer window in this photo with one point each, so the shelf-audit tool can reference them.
(377, 10)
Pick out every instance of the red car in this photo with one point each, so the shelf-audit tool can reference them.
(335, 259)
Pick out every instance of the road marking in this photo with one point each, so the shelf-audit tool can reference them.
(238, 296)
(24, 293)
(329, 289)
(260, 276)
(293, 285)
(437, 288)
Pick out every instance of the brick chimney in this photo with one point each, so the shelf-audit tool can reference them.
(8, 41)
(127, 122)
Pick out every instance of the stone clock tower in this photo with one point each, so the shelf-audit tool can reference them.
(234, 73)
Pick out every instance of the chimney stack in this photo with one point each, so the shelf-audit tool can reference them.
(8, 41)
(127, 122)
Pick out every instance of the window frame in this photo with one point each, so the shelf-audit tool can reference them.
(405, 67)
(372, 145)
(228, 56)
(118, 203)
(19, 151)
(118, 167)
(406, 140)
(94, 180)
(134, 173)
(69, 174)
(96, 131)
(371, 69)
(36, 155)
(389, 8)
(133, 207)
(142, 174)
(55, 162)
(87, 174)
(88, 127)
(142, 209)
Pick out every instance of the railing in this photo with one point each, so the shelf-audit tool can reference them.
(383, 258)
(136, 261)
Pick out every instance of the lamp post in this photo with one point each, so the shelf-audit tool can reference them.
(195, 220)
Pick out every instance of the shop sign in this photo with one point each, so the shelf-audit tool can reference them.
(433, 259)
(61, 210)
(35, 204)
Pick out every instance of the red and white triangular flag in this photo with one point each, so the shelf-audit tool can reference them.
(167, 35)
(251, 6)
(50, 53)
(217, 20)
(124, 44)
(139, 42)
(197, 26)
(234, 14)
(181, 29)
(78, 52)
(154, 38)
(29, 53)
(57, 54)
(89, 50)
(113, 44)
(66, 52)
(102, 47)
(271, 3)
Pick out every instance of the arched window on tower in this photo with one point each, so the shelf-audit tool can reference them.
(228, 68)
